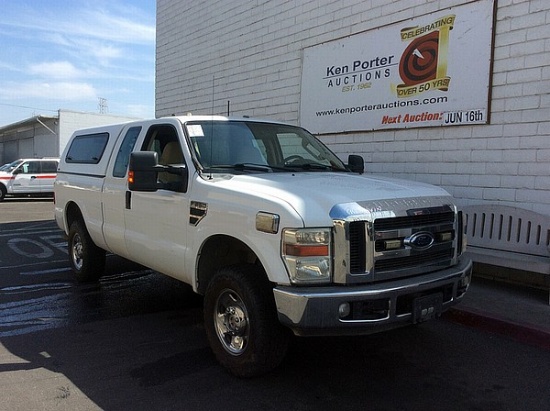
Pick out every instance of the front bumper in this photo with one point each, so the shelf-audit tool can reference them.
(380, 307)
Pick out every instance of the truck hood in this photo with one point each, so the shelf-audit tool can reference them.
(321, 195)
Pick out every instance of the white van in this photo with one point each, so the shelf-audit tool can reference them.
(28, 176)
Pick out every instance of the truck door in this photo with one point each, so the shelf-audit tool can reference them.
(114, 191)
(26, 178)
(156, 222)
(47, 175)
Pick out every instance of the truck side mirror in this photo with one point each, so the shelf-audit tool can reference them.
(356, 163)
(142, 173)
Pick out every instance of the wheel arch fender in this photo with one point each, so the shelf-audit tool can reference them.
(72, 213)
(219, 251)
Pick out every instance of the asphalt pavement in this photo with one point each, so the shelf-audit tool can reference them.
(13, 210)
(131, 342)
(513, 310)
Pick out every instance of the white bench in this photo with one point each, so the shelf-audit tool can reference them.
(509, 237)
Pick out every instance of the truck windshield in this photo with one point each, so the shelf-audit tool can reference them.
(256, 146)
(11, 166)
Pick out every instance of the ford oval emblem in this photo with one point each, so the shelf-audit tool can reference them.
(421, 240)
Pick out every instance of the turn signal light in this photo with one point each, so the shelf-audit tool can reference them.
(299, 250)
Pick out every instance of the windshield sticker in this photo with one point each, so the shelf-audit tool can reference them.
(195, 130)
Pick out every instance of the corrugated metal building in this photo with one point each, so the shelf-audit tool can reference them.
(46, 136)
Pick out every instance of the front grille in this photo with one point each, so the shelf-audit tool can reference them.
(382, 248)
(357, 250)
(384, 224)
(427, 258)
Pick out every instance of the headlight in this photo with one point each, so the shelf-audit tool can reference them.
(307, 254)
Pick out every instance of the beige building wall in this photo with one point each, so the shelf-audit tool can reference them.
(250, 54)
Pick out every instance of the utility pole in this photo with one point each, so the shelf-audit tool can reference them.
(103, 107)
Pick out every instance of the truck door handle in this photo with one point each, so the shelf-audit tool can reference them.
(128, 200)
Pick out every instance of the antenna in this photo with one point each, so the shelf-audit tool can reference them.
(213, 95)
(212, 127)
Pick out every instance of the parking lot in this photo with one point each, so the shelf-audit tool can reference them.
(135, 340)
(26, 209)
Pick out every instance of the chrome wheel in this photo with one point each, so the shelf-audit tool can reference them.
(232, 322)
(77, 252)
(87, 260)
(241, 323)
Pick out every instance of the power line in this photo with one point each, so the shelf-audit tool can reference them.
(27, 107)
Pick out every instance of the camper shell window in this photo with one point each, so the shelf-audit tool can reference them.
(87, 149)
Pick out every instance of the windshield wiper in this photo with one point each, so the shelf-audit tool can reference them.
(252, 166)
(315, 166)
(248, 166)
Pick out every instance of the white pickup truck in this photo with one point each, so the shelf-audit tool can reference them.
(271, 227)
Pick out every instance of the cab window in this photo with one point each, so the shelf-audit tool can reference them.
(123, 156)
(49, 166)
(163, 139)
(29, 167)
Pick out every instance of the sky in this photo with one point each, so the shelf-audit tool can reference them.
(69, 54)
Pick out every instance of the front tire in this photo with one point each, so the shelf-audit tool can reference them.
(241, 322)
(87, 260)
(3, 192)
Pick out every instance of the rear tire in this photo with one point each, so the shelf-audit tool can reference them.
(3, 192)
(86, 259)
(241, 321)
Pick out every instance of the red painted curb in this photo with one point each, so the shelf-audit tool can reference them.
(523, 333)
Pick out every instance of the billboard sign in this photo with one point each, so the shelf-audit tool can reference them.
(432, 70)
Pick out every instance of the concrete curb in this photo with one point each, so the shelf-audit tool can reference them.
(527, 334)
